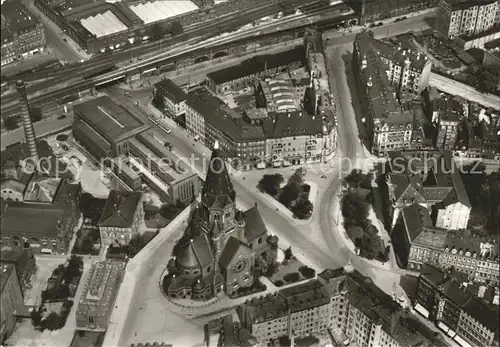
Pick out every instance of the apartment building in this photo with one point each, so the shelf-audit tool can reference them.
(463, 317)
(11, 299)
(417, 242)
(387, 125)
(409, 71)
(173, 96)
(431, 179)
(447, 114)
(121, 218)
(468, 17)
(22, 33)
(355, 310)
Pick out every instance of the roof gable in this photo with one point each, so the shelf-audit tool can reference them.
(254, 224)
(233, 248)
(120, 209)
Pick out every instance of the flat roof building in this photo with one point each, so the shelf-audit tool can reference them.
(103, 127)
(99, 295)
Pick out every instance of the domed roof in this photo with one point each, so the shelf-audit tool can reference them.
(186, 256)
(239, 215)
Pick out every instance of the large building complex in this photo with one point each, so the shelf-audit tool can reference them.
(417, 242)
(99, 26)
(11, 298)
(467, 18)
(462, 316)
(348, 304)
(45, 219)
(98, 296)
(294, 120)
(431, 179)
(22, 33)
(121, 140)
(222, 247)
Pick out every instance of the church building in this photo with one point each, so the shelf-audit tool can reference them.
(223, 248)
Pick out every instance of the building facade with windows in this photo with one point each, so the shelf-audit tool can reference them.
(121, 218)
(22, 33)
(465, 318)
(431, 179)
(417, 242)
(173, 96)
(468, 18)
(349, 305)
(46, 219)
(11, 299)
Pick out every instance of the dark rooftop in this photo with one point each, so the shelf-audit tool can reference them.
(120, 209)
(258, 64)
(173, 90)
(15, 18)
(112, 121)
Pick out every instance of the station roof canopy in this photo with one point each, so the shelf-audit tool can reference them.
(154, 11)
(103, 24)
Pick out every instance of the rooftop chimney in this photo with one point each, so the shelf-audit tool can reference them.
(29, 132)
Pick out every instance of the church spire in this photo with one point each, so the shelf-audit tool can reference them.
(218, 189)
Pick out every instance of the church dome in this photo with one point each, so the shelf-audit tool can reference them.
(186, 256)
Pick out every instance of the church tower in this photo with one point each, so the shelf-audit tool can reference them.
(218, 200)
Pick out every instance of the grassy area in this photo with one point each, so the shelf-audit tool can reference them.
(287, 273)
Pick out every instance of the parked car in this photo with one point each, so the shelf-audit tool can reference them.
(62, 116)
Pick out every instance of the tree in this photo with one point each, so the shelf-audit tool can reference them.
(357, 179)
(354, 208)
(85, 201)
(307, 272)
(158, 100)
(73, 269)
(297, 177)
(176, 28)
(288, 253)
(272, 268)
(52, 322)
(169, 211)
(87, 246)
(11, 123)
(289, 193)
(156, 31)
(355, 233)
(271, 184)
(35, 114)
(303, 209)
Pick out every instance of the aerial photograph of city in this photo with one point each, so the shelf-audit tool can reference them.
(221, 173)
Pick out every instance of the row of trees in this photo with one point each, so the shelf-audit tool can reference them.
(355, 210)
(293, 195)
(158, 31)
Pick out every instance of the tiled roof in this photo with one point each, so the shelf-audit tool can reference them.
(15, 19)
(218, 188)
(222, 118)
(254, 224)
(378, 89)
(257, 64)
(295, 123)
(173, 90)
(233, 247)
(461, 297)
(42, 189)
(195, 252)
(398, 55)
(305, 296)
(120, 209)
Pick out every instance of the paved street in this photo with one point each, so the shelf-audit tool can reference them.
(65, 48)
